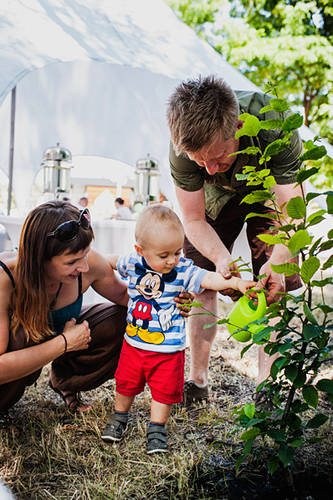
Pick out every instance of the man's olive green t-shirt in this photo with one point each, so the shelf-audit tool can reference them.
(220, 187)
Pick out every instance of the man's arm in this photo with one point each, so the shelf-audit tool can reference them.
(200, 233)
(273, 282)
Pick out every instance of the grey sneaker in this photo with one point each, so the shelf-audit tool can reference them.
(193, 394)
(115, 428)
(156, 439)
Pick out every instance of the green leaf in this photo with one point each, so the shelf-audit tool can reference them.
(299, 240)
(317, 421)
(313, 154)
(326, 281)
(326, 245)
(309, 267)
(289, 269)
(265, 216)
(242, 177)
(269, 182)
(274, 148)
(262, 334)
(318, 213)
(303, 174)
(285, 347)
(328, 263)
(251, 127)
(249, 410)
(265, 109)
(251, 150)
(309, 315)
(286, 454)
(250, 434)
(299, 380)
(298, 356)
(279, 105)
(244, 116)
(257, 196)
(325, 308)
(312, 196)
(291, 372)
(325, 385)
(271, 124)
(277, 434)
(287, 227)
(297, 443)
(329, 201)
(330, 234)
(310, 395)
(296, 208)
(271, 239)
(311, 331)
(292, 122)
(273, 464)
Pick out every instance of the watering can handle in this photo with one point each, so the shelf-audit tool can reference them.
(261, 306)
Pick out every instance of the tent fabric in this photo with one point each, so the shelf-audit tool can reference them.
(94, 76)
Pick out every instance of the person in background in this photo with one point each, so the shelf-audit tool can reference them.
(82, 203)
(154, 343)
(203, 118)
(123, 212)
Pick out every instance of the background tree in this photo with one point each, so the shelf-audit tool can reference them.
(286, 44)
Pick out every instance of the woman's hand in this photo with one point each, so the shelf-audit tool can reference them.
(77, 335)
(184, 299)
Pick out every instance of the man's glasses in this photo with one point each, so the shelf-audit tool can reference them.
(68, 231)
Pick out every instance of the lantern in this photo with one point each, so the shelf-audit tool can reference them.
(57, 163)
(147, 174)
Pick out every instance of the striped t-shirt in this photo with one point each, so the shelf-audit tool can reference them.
(154, 323)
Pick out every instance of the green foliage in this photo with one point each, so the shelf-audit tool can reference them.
(262, 40)
(302, 338)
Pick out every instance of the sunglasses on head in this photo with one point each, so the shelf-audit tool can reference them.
(68, 231)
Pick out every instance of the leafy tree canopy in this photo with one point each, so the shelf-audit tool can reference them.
(286, 45)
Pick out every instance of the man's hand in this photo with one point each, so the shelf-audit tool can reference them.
(227, 270)
(273, 283)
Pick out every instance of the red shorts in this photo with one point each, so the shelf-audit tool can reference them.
(163, 372)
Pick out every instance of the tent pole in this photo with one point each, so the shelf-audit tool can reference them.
(11, 153)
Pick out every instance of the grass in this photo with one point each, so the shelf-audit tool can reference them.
(58, 456)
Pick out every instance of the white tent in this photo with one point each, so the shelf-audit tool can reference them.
(94, 75)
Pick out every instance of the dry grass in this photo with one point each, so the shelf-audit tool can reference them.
(62, 457)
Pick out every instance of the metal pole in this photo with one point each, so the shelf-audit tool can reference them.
(11, 153)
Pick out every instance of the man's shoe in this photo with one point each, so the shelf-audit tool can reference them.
(115, 428)
(193, 394)
(156, 439)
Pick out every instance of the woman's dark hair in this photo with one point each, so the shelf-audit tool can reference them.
(29, 305)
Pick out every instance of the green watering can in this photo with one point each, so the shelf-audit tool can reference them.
(243, 312)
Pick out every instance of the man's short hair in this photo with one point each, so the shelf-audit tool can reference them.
(200, 111)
